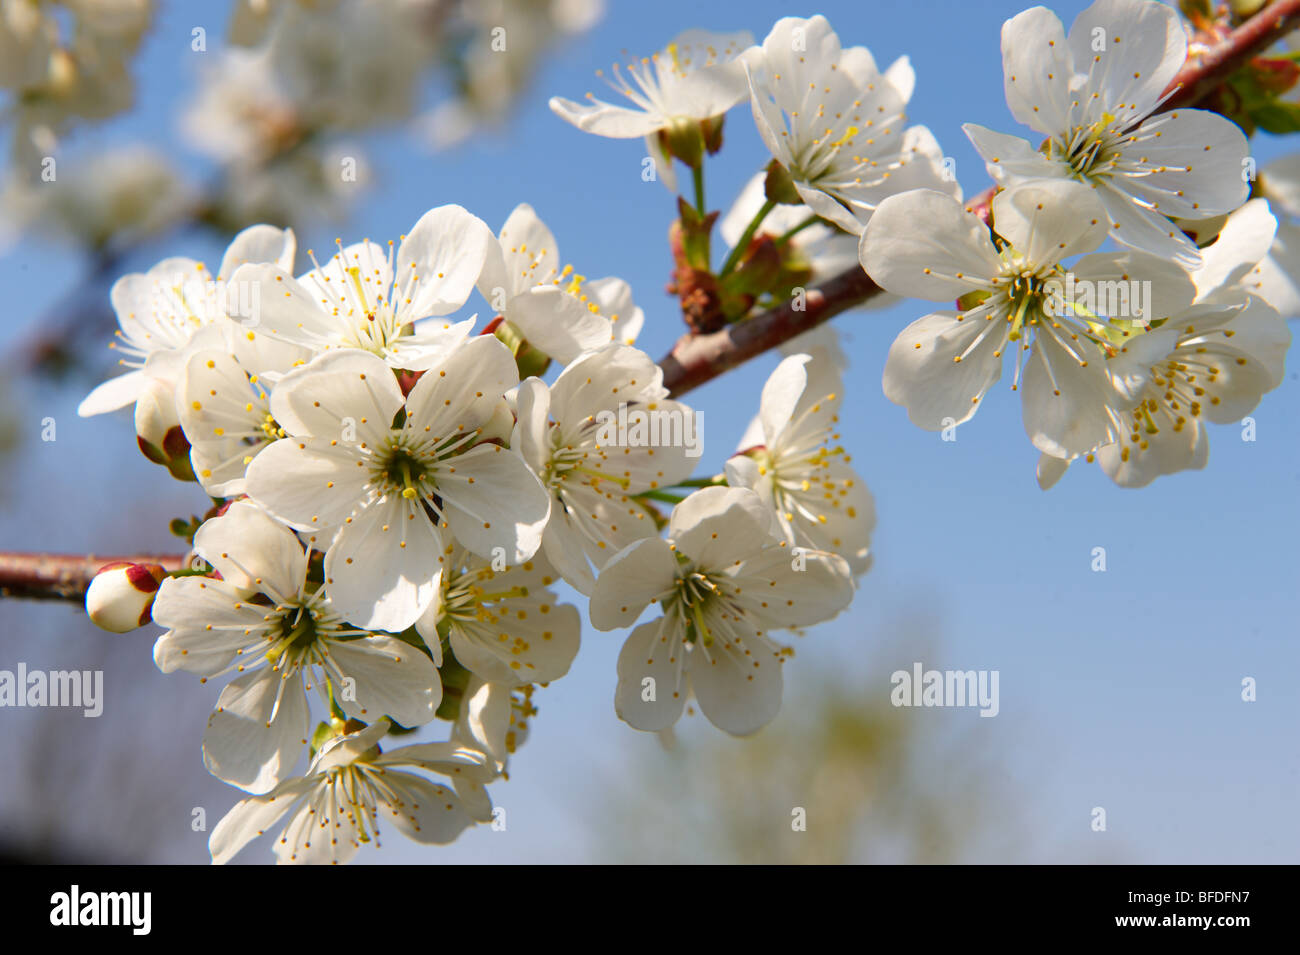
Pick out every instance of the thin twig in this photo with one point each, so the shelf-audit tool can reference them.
(64, 576)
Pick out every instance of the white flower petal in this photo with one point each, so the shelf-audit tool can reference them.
(253, 551)
(1049, 220)
(439, 262)
(1037, 69)
(737, 680)
(720, 526)
(259, 243)
(258, 730)
(605, 119)
(113, 394)
(652, 652)
(921, 372)
(382, 569)
(307, 483)
(493, 500)
(1144, 47)
(392, 678)
(630, 582)
(252, 817)
(461, 392)
(923, 244)
(423, 811)
(557, 323)
(340, 392)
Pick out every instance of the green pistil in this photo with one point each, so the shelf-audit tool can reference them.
(296, 641)
(1018, 321)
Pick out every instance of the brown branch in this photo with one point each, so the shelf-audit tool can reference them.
(64, 576)
(1202, 74)
(696, 359)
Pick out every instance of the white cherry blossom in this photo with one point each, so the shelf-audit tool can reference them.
(724, 581)
(925, 245)
(161, 311)
(818, 499)
(352, 789)
(503, 623)
(696, 77)
(559, 312)
(591, 465)
(1094, 94)
(365, 298)
(223, 402)
(281, 633)
(836, 123)
(378, 494)
(1220, 356)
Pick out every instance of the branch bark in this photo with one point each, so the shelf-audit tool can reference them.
(64, 576)
(696, 359)
(1200, 75)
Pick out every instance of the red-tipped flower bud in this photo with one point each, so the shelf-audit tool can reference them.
(120, 598)
(158, 430)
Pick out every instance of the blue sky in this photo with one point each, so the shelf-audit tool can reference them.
(1118, 689)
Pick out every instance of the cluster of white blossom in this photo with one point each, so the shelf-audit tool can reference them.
(395, 508)
(283, 103)
(397, 498)
(66, 60)
(286, 105)
(1124, 356)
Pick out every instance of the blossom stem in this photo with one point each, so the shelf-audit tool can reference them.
(791, 233)
(716, 480)
(64, 576)
(661, 496)
(697, 174)
(743, 243)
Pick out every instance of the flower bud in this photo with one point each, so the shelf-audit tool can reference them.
(158, 430)
(120, 598)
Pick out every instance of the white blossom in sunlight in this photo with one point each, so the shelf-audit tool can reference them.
(604, 432)
(162, 312)
(1218, 359)
(351, 790)
(1094, 94)
(282, 635)
(378, 494)
(723, 580)
(696, 77)
(503, 623)
(837, 124)
(558, 311)
(365, 298)
(1012, 297)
